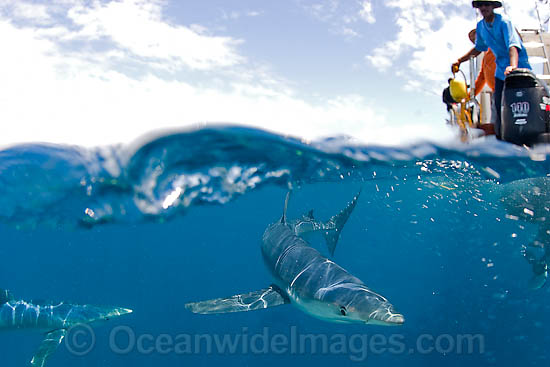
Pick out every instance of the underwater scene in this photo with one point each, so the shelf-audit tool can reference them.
(232, 246)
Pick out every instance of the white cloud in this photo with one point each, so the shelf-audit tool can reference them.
(137, 27)
(366, 12)
(69, 83)
(234, 15)
(348, 32)
(324, 11)
(523, 13)
(96, 106)
(436, 50)
(384, 57)
(344, 16)
(37, 13)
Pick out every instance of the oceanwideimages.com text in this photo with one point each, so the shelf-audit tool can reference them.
(357, 347)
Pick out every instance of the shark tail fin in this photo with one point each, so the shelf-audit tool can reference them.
(287, 199)
(333, 227)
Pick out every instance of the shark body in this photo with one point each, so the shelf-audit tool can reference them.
(55, 319)
(308, 280)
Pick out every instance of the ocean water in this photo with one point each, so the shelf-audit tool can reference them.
(178, 217)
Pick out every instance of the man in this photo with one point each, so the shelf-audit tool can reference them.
(496, 32)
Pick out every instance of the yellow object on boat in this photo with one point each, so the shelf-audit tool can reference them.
(458, 90)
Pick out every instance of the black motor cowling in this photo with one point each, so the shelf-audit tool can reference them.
(525, 109)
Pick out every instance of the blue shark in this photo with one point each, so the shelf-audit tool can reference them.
(305, 278)
(527, 200)
(55, 319)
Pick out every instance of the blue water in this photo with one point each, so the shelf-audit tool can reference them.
(176, 218)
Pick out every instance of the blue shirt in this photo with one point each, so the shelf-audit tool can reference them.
(499, 37)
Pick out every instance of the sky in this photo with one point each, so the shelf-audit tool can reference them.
(99, 72)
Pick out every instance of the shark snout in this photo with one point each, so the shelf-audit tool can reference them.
(119, 311)
(395, 319)
(386, 315)
(111, 313)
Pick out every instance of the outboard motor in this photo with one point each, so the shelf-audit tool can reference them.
(525, 109)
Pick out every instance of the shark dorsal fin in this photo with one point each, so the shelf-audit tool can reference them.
(283, 218)
(5, 296)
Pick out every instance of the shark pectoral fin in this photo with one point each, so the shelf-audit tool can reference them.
(263, 298)
(48, 347)
(334, 226)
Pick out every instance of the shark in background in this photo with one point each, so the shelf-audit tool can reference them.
(308, 280)
(53, 318)
(528, 200)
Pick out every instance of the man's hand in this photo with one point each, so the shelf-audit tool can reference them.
(455, 67)
(509, 69)
(514, 55)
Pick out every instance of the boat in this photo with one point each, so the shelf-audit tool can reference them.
(525, 118)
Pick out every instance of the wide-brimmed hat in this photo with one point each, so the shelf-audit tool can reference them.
(496, 3)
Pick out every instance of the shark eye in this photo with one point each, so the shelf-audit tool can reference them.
(343, 311)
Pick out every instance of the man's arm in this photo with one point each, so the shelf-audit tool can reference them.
(473, 52)
(514, 57)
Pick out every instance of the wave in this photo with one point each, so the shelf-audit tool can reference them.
(166, 173)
